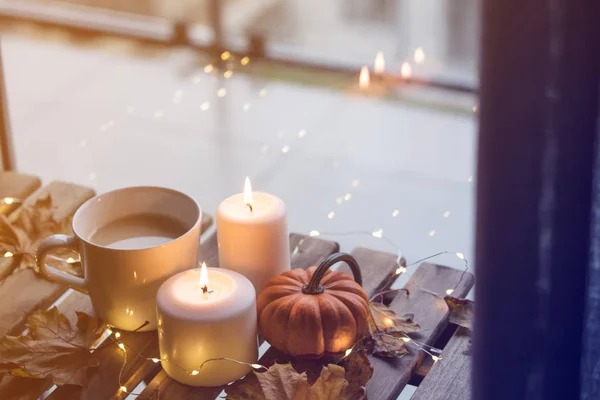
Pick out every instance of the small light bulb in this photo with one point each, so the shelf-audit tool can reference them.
(109, 331)
(331, 215)
(388, 322)
(245, 60)
(8, 200)
(285, 149)
(302, 133)
(227, 74)
(339, 201)
(208, 69)
(118, 335)
(122, 346)
(221, 92)
(460, 255)
(194, 372)
(436, 358)
(446, 214)
(348, 352)
(123, 389)
(347, 196)
(378, 233)
(432, 232)
(225, 55)
(71, 260)
(258, 366)
(449, 291)
(8, 254)
(400, 270)
(405, 70)
(262, 93)
(205, 106)
(395, 213)
(314, 233)
(406, 339)
(155, 360)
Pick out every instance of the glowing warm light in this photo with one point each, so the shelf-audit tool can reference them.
(208, 69)
(364, 79)
(109, 331)
(123, 389)
(205, 106)
(405, 70)
(8, 200)
(285, 149)
(406, 339)
(419, 55)
(378, 233)
(302, 133)
(449, 291)
(379, 66)
(225, 55)
(446, 214)
(247, 191)
(400, 270)
(395, 213)
(245, 60)
(221, 92)
(118, 335)
(262, 93)
(203, 275)
(122, 346)
(347, 196)
(432, 232)
(436, 358)
(194, 372)
(246, 107)
(331, 215)
(314, 233)
(257, 366)
(71, 260)
(155, 360)
(228, 74)
(347, 352)
(8, 254)
(388, 322)
(460, 255)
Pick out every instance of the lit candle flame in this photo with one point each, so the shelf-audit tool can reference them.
(419, 55)
(203, 276)
(364, 79)
(379, 66)
(406, 70)
(248, 193)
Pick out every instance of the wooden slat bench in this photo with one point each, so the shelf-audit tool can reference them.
(28, 292)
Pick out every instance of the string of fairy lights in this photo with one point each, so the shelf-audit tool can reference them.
(406, 70)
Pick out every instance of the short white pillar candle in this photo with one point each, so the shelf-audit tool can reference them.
(203, 320)
(253, 236)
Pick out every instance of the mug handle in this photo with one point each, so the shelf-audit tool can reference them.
(53, 274)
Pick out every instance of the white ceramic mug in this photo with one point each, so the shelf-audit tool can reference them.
(122, 284)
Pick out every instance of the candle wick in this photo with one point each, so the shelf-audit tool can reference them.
(249, 206)
(205, 289)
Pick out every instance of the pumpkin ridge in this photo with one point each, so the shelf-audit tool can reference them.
(305, 328)
(336, 314)
(354, 303)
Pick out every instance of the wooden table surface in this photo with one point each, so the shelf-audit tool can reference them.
(23, 292)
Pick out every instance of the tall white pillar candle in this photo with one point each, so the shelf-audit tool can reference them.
(206, 319)
(253, 236)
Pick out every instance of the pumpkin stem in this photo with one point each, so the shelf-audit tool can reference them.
(314, 286)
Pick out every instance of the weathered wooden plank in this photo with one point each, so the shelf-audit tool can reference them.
(430, 311)
(450, 378)
(378, 269)
(39, 293)
(17, 186)
(31, 389)
(311, 252)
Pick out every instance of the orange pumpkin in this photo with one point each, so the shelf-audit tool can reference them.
(313, 312)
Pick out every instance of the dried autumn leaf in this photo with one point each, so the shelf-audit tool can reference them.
(358, 371)
(461, 311)
(284, 382)
(32, 224)
(52, 348)
(387, 320)
(388, 345)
